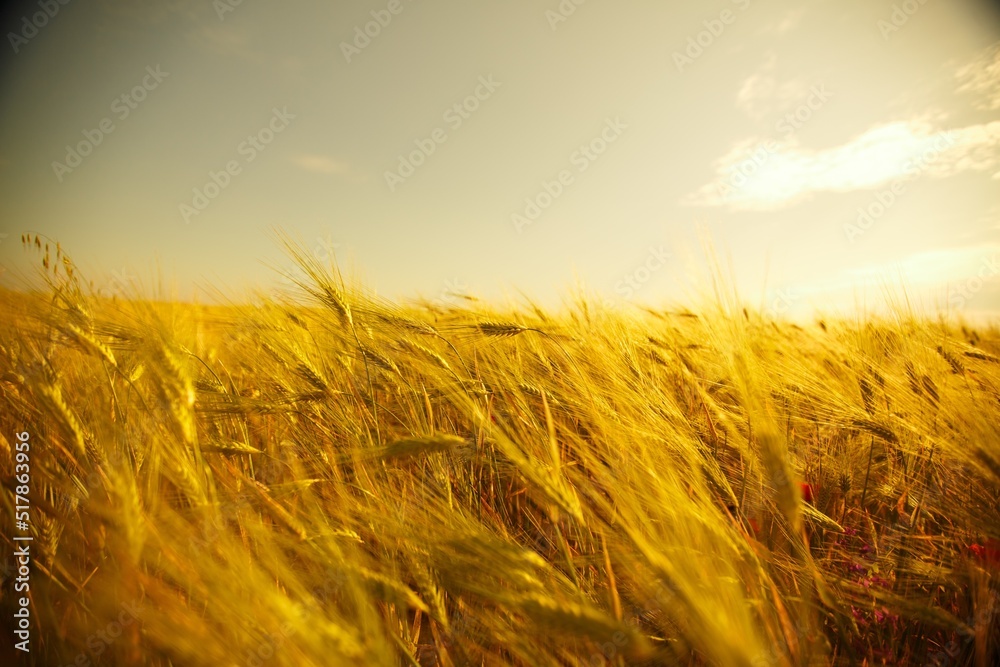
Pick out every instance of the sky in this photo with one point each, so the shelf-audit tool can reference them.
(829, 151)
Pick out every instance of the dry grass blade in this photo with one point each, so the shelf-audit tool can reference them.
(877, 429)
(578, 620)
(234, 448)
(408, 448)
(500, 329)
(433, 444)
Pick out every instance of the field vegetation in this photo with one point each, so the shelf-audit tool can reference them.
(325, 478)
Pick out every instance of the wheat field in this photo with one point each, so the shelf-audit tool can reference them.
(326, 478)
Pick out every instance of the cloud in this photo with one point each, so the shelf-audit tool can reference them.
(320, 164)
(962, 279)
(330, 166)
(762, 94)
(981, 78)
(228, 40)
(787, 22)
(957, 279)
(241, 42)
(149, 12)
(757, 175)
(929, 268)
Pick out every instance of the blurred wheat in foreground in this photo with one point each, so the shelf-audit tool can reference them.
(328, 479)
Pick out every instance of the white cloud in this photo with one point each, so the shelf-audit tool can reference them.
(762, 94)
(981, 78)
(930, 268)
(962, 279)
(760, 176)
(959, 279)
